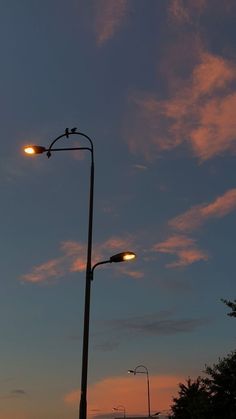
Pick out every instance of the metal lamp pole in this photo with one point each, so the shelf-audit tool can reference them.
(35, 149)
(38, 150)
(135, 371)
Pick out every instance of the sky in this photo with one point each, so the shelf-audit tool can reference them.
(153, 83)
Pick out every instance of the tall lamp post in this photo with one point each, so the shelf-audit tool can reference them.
(35, 149)
(136, 371)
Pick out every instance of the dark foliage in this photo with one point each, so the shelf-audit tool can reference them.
(193, 401)
(213, 397)
(232, 306)
(221, 382)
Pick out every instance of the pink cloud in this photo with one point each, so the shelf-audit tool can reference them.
(184, 248)
(109, 17)
(186, 11)
(73, 258)
(117, 244)
(174, 243)
(188, 256)
(181, 10)
(50, 269)
(72, 248)
(216, 133)
(131, 273)
(109, 392)
(199, 113)
(199, 214)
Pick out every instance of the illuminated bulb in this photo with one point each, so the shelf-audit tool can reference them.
(129, 256)
(34, 149)
(122, 257)
(29, 150)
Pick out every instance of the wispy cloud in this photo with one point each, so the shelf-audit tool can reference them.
(105, 394)
(196, 216)
(15, 394)
(19, 392)
(50, 269)
(73, 259)
(184, 248)
(187, 12)
(183, 11)
(199, 113)
(127, 271)
(157, 324)
(140, 166)
(109, 18)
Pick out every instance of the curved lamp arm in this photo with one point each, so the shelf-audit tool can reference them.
(141, 372)
(67, 134)
(119, 257)
(36, 149)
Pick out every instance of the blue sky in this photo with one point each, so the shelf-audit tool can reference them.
(153, 83)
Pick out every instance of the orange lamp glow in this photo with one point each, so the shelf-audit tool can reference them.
(34, 149)
(129, 256)
(29, 150)
(122, 257)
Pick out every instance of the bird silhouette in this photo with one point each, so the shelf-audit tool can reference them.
(73, 129)
(67, 132)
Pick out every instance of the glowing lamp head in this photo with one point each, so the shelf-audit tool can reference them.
(34, 149)
(129, 256)
(123, 257)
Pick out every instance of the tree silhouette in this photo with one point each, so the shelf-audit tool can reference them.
(231, 305)
(213, 397)
(193, 401)
(221, 384)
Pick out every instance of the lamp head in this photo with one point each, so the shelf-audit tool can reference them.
(34, 149)
(123, 257)
(131, 372)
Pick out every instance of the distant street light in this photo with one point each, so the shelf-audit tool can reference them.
(36, 149)
(136, 371)
(120, 408)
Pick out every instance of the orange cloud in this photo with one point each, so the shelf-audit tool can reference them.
(74, 258)
(199, 113)
(133, 274)
(109, 17)
(187, 11)
(216, 133)
(51, 269)
(196, 216)
(182, 11)
(184, 248)
(117, 243)
(129, 391)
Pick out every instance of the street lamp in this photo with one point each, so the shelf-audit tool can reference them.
(119, 257)
(120, 408)
(136, 371)
(35, 149)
